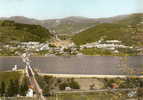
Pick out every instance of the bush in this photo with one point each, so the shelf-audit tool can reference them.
(95, 51)
(63, 85)
(70, 83)
(74, 85)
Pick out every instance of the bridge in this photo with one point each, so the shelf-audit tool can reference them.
(31, 76)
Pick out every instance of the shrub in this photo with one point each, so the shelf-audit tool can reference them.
(63, 85)
(70, 83)
(74, 85)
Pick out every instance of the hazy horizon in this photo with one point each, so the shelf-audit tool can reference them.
(56, 9)
(68, 17)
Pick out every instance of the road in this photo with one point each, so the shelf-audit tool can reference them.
(31, 75)
(34, 83)
(96, 90)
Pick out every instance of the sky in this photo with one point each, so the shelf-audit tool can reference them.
(50, 9)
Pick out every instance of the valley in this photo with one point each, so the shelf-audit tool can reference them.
(117, 36)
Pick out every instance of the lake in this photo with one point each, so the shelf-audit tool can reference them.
(97, 65)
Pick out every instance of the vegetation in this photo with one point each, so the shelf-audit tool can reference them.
(70, 83)
(10, 84)
(6, 76)
(11, 31)
(64, 37)
(106, 52)
(129, 82)
(96, 51)
(13, 88)
(129, 31)
(107, 31)
(23, 88)
(47, 83)
(42, 53)
(11, 52)
(71, 27)
(127, 51)
(105, 95)
(50, 84)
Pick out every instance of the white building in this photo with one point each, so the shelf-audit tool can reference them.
(109, 44)
(68, 88)
(30, 93)
(14, 68)
(113, 41)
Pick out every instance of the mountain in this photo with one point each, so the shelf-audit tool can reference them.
(12, 31)
(129, 30)
(68, 25)
(21, 19)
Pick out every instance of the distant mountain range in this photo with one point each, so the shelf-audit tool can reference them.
(68, 25)
(126, 28)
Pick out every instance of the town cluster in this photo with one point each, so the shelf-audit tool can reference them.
(64, 47)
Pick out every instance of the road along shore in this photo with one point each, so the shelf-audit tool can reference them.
(89, 76)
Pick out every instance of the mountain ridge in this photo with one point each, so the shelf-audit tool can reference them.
(128, 30)
(67, 25)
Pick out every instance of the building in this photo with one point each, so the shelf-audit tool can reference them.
(30, 93)
(14, 68)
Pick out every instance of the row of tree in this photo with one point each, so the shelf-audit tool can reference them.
(14, 88)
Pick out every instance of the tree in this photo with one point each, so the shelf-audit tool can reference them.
(13, 88)
(23, 87)
(2, 88)
(70, 83)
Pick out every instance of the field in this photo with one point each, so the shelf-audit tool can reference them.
(110, 95)
(88, 88)
(6, 76)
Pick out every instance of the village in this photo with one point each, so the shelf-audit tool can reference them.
(66, 47)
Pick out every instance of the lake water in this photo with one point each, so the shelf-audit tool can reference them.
(97, 65)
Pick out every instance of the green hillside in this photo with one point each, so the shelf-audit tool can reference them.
(128, 30)
(69, 29)
(11, 31)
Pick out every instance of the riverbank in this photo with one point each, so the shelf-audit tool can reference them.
(89, 76)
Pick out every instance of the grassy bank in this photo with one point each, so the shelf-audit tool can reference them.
(6, 76)
(110, 95)
(105, 52)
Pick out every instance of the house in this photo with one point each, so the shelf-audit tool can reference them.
(113, 41)
(30, 93)
(14, 68)
(68, 88)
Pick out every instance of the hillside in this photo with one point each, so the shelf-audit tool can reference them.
(69, 25)
(11, 31)
(128, 30)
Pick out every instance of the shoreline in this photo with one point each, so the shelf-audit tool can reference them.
(89, 76)
(81, 75)
(78, 56)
